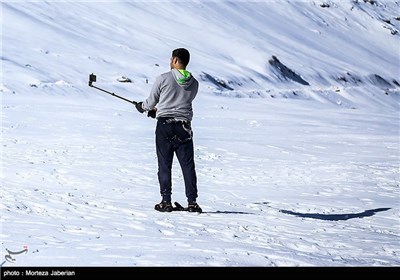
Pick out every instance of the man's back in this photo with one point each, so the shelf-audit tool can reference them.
(173, 92)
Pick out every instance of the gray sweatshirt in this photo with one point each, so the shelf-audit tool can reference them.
(173, 94)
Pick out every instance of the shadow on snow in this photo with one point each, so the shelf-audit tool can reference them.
(335, 217)
(228, 212)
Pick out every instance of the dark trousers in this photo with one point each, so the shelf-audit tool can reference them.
(175, 137)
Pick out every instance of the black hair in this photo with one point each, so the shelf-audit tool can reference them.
(183, 56)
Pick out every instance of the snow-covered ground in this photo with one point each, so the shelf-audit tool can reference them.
(296, 133)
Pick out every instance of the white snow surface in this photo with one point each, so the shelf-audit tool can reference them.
(295, 169)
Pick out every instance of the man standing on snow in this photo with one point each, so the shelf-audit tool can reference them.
(173, 93)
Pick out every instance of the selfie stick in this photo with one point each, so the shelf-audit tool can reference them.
(92, 78)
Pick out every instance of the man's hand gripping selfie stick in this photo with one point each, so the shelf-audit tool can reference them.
(92, 79)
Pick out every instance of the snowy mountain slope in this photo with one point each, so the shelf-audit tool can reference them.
(296, 133)
(348, 44)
